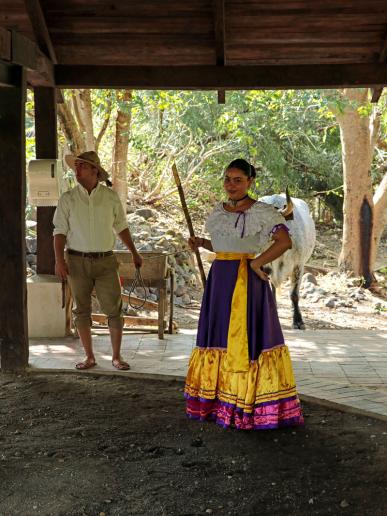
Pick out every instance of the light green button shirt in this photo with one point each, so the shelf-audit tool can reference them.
(90, 222)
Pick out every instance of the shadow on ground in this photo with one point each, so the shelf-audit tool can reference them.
(76, 445)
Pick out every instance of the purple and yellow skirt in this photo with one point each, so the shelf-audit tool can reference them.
(240, 373)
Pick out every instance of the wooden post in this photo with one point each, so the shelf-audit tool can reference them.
(188, 220)
(13, 291)
(46, 148)
(172, 286)
(161, 313)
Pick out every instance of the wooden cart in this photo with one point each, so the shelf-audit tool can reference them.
(155, 273)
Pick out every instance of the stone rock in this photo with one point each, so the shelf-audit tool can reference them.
(193, 281)
(144, 247)
(180, 259)
(139, 292)
(309, 278)
(31, 259)
(177, 301)
(146, 213)
(31, 244)
(358, 294)
(186, 299)
(130, 208)
(180, 281)
(162, 242)
(180, 290)
(331, 302)
(120, 246)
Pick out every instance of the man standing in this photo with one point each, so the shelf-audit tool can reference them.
(86, 221)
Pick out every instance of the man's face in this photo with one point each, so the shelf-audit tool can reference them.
(85, 173)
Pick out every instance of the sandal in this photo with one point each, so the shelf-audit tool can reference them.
(86, 364)
(120, 364)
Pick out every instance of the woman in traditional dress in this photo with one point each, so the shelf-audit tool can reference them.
(240, 373)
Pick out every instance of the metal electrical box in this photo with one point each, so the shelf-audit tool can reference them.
(45, 182)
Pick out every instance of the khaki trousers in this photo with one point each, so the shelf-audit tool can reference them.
(101, 274)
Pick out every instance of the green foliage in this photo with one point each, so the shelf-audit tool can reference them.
(30, 126)
(379, 308)
(291, 137)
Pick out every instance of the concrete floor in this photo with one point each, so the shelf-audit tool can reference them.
(346, 369)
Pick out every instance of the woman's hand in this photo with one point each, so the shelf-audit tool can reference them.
(195, 242)
(254, 264)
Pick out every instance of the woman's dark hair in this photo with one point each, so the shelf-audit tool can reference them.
(244, 166)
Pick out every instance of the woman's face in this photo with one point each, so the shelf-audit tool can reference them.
(236, 183)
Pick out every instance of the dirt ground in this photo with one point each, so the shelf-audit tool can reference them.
(84, 445)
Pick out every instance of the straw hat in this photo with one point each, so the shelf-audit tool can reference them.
(90, 157)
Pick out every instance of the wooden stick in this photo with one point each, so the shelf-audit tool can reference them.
(129, 320)
(188, 220)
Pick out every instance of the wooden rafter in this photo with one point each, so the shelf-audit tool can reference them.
(39, 26)
(227, 77)
(42, 35)
(220, 37)
(17, 49)
(219, 22)
(376, 92)
(6, 75)
(5, 44)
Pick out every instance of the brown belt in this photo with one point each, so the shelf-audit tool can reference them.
(102, 254)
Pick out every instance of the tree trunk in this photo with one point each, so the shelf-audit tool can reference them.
(84, 113)
(380, 216)
(358, 138)
(70, 128)
(105, 123)
(120, 152)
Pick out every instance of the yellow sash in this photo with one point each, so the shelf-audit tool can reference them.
(237, 358)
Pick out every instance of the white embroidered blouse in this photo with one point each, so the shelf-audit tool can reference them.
(243, 232)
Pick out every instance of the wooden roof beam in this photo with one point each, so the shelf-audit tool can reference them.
(226, 77)
(377, 92)
(6, 75)
(17, 49)
(220, 37)
(42, 35)
(5, 44)
(39, 26)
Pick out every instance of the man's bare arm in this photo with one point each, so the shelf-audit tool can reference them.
(61, 269)
(126, 238)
